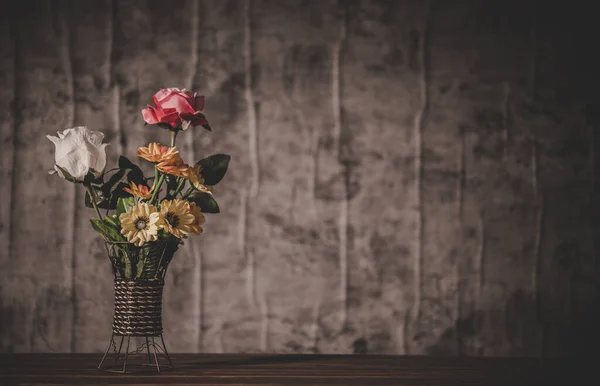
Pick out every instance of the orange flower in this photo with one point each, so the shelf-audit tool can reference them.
(194, 175)
(158, 153)
(139, 190)
(176, 167)
(196, 225)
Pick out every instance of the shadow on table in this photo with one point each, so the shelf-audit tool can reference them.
(258, 360)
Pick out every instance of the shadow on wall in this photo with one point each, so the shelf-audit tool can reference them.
(525, 331)
(579, 336)
(43, 333)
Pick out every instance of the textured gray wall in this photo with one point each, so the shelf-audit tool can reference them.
(407, 177)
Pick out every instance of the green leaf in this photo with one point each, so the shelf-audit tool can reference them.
(105, 203)
(207, 127)
(214, 168)
(112, 221)
(135, 173)
(110, 192)
(139, 269)
(172, 183)
(205, 202)
(111, 232)
(165, 236)
(90, 177)
(66, 175)
(113, 182)
(123, 204)
(98, 226)
(127, 261)
(119, 192)
(101, 201)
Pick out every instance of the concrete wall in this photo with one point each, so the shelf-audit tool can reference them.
(407, 177)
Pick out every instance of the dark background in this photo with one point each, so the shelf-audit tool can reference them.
(407, 177)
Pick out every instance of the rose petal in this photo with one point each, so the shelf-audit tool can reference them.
(94, 137)
(100, 163)
(149, 115)
(161, 112)
(76, 163)
(172, 118)
(177, 102)
(54, 140)
(198, 119)
(198, 102)
(161, 94)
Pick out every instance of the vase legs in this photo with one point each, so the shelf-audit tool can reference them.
(112, 341)
(155, 356)
(126, 355)
(148, 349)
(129, 354)
(118, 353)
(166, 352)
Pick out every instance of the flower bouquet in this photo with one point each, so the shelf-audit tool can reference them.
(145, 219)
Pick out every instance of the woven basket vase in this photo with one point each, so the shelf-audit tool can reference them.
(138, 307)
(138, 300)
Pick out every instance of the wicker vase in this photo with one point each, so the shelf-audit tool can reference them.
(138, 305)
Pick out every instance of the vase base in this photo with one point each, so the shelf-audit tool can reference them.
(128, 361)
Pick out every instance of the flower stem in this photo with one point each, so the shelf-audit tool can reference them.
(187, 194)
(155, 177)
(179, 187)
(111, 170)
(93, 199)
(157, 186)
(173, 136)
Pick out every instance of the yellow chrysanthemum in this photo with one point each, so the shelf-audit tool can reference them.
(157, 153)
(177, 218)
(139, 190)
(141, 224)
(196, 226)
(194, 175)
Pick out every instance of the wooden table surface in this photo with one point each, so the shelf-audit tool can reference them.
(225, 369)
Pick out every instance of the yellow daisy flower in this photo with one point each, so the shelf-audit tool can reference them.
(139, 190)
(141, 224)
(157, 153)
(177, 218)
(196, 226)
(194, 175)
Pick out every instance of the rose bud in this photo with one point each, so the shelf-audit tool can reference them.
(78, 152)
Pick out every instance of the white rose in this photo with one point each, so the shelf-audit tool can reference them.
(78, 151)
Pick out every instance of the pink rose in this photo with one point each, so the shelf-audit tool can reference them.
(176, 108)
(157, 115)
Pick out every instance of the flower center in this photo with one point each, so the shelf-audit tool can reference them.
(141, 223)
(172, 219)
